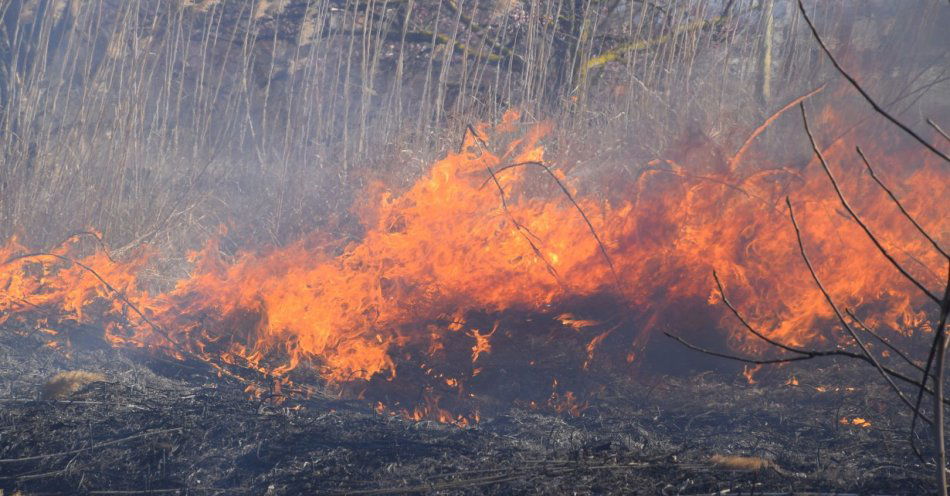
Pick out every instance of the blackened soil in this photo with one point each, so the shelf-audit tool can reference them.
(158, 426)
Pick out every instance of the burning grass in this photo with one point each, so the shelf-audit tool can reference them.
(454, 271)
(500, 283)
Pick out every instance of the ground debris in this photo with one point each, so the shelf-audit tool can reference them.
(64, 384)
(156, 428)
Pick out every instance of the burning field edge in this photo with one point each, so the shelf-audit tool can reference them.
(140, 424)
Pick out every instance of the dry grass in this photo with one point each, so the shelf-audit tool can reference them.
(64, 384)
(157, 121)
(730, 462)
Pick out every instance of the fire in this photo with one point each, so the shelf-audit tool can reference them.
(855, 422)
(486, 231)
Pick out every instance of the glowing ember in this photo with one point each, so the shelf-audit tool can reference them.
(855, 422)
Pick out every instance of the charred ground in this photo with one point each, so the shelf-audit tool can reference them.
(164, 427)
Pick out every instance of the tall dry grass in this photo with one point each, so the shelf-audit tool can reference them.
(156, 120)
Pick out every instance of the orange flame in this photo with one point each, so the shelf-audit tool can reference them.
(485, 230)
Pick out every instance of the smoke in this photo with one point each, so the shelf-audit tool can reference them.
(156, 122)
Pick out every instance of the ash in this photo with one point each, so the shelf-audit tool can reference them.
(158, 426)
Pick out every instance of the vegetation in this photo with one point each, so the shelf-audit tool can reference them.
(159, 121)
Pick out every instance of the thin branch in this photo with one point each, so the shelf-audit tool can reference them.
(470, 130)
(590, 226)
(99, 241)
(867, 329)
(523, 230)
(753, 361)
(897, 202)
(863, 93)
(810, 356)
(734, 161)
(939, 130)
(854, 215)
(831, 302)
(941, 328)
(95, 446)
(745, 323)
(118, 294)
(920, 391)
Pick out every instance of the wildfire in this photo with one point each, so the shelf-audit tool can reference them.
(487, 231)
(855, 422)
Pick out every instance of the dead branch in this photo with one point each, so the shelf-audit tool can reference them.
(523, 230)
(854, 215)
(118, 294)
(745, 323)
(93, 447)
(751, 361)
(807, 355)
(939, 130)
(93, 234)
(867, 97)
(590, 226)
(900, 206)
(811, 269)
(876, 336)
(734, 161)
(938, 347)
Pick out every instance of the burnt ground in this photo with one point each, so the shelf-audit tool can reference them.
(159, 427)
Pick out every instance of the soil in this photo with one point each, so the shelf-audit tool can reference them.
(160, 426)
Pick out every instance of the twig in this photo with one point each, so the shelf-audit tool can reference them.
(118, 294)
(734, 161)
(940, 339)
(900, 206)
(867, 329)
(469, 129)
(810, 355)
(920, 392)
(521, 228)
(745, 323)
(939, 130)
(753, 361)
(590, 226)
(831, 303)
(96, 446)
(854, 215)
(95, 235)
(854, 83)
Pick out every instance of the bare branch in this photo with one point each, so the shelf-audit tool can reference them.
(745, 323)
(753, 361)
(118, 294)
(863, 93)
(867, 329)
(939, 130)
(831, 302)
(897, 202)
(809, 356)
(523, 230)
(734, 161)
(854, 215)
(590, 226)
